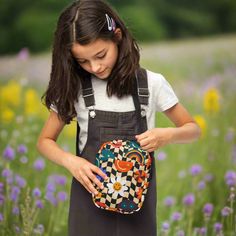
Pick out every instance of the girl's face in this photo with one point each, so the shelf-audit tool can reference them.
(97, 58)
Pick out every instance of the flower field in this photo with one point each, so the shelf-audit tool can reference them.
(196, 182)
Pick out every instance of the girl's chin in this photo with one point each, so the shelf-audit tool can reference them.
(103, 75)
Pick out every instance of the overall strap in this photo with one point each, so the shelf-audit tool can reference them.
(140, 98)
(87, 92)
(142, 84)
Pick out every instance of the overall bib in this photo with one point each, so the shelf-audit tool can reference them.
(85, 219)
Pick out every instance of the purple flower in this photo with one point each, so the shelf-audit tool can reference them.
(1, 217)
(218, 227)
(39, 164)
(58, 179)
(39, 229)
(22, 149)
(230, 178)
(201, 185)
(15, 210)
(17, 229)
(51, 198)
(51, 187)
(189, 199)
(180, 233)
(23, 54)
(208, 177)
(20, 181)
(161, 156)
(2, 198)
(62, 196)
(24, 159)
(1, 186)
(226, 211)
(9, 153)
(39, 204)
(202, 231)
(176, 216)
(169, 201)
(6, 173)
(207, 209)
(36, 192)
(230, 135)
(165, 226)
(15, 191)
(195, 170)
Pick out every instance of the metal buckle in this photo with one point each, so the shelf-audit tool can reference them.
(143, 92)
(88, 92)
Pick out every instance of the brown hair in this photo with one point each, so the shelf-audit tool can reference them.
(90, 25)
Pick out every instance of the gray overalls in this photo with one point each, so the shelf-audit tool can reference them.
(85, 219)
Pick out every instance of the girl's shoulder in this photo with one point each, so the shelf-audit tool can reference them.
(155, 79)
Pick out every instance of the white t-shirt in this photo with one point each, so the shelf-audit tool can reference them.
(161, 98)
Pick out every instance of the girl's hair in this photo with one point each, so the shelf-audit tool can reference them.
(83, 22)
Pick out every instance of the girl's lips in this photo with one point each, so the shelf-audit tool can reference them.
(100, 72)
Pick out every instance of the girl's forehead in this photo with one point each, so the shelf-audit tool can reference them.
(92, 48)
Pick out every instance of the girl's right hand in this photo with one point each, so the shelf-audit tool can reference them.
(85, 172)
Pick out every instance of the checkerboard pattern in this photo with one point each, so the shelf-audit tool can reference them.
(128, 169)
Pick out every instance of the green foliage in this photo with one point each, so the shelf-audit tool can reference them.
(142, 22)
(31, 24)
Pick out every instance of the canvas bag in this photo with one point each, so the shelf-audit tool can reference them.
(128, 169)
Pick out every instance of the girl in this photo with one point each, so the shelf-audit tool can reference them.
(95, 69)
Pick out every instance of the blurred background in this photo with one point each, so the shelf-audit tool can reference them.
(31, 24)
(193, 44)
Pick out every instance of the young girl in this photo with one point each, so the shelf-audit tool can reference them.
(95, 69)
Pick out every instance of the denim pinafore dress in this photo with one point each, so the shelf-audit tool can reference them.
(85, 219)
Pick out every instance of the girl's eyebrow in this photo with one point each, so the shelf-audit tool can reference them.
(94, 55)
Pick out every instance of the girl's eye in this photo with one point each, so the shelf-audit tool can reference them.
(81, 62)
(102, 56)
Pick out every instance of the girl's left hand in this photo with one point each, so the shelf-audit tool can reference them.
(154, 138)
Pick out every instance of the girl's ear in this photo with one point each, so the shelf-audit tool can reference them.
(118, 34)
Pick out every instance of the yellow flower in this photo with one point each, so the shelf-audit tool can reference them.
(7, 115)
(10, 94)
(202, 124)
(32, 102)
(212, 101)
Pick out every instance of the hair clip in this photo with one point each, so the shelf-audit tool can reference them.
(111, 25)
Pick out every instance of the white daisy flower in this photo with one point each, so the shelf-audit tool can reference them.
(117, 186)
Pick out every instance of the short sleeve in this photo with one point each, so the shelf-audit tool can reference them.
(53, 108)
(164, 96)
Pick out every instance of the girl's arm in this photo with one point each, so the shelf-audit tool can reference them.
(84, 171)
(186, 130)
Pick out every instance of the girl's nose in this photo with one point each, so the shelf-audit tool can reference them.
(95, 67)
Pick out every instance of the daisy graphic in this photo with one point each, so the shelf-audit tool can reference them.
(117, 186)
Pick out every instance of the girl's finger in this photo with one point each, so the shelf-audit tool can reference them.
(95, 180)
(144, 143)
(89, 185)
(141, 136)
(98, 171)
